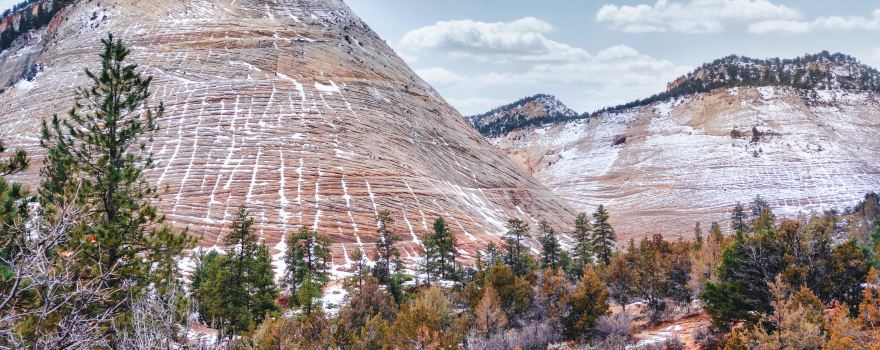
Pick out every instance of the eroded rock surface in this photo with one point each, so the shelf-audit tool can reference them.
(661, 167)
(296, 109)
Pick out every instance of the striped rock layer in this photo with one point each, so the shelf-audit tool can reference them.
(662, 167)
(294, 108)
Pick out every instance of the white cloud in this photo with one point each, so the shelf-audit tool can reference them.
(614, 75)
(439, 76)
(475, 105)
(519, 40)
(616, 65)
(695, 16)
(821, 23)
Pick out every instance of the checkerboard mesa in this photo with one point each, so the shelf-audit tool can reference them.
(296, 109)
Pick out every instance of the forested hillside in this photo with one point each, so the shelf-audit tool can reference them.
(25, 16)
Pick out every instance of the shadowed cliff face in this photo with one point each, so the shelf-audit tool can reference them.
(293, 108)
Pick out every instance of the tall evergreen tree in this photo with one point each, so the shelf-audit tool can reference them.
(740, 292)
(308, 259)
(738, 219)
(241, 247)
(359, 268)
(551, 250)
(444, 241)
(715, 233)
(515, 250)
(386, 249)
(698, 236)
(207, 287)
(757, 207)
(430, 262)
(603, 235)
(237, 290)
(493, 255)
(583, 249)
(95, 159)
(261, 283)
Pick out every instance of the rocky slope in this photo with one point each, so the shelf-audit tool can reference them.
(295, 108)
(530, 111)
(662, 164)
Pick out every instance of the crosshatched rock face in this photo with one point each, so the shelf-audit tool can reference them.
(295, 108)
(662, 167)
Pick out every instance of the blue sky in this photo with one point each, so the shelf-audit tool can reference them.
(592, 54)
(5, 4)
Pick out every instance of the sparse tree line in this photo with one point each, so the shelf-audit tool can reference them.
(87, 262)
(509, 298)
(802, 73)
(29, 20)
(733, 71)
(502, 126)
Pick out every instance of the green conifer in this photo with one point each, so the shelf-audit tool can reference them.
(95, 159)
(603, 235)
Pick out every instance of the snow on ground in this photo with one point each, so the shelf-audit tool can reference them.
(679, 161)
(334, 297)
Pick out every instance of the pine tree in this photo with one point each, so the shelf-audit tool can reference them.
(583, 249)
(515, 249)
(237, 290)
(16, 162)
(207, 289)
(846, 268)
(430, 265)
(360, 270)
(698, 236)
(588, 303)
(95, 159)
(494, 255)
(261, 281)
(551, 251)
(13, 210)
(241, 245)
(386, 249)
(740, 292)
(308, 259)
(603, 235)
(759, 204)
(764, 221)
(444, 241)
(738, 219)
(715, 233)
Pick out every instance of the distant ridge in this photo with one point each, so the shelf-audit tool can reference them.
(529, 111)
(821, 71)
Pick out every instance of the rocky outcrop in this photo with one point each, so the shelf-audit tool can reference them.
(530, 111)
(294, 108)
(665, 165)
